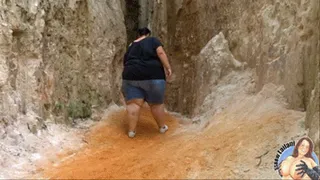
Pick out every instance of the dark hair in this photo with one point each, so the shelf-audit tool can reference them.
(143, 31)
(295, 151)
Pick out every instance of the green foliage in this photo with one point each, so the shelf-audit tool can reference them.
(79, 109)
(58, 107)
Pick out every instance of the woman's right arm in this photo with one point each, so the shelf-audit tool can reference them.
(164, 60)
(313, 173)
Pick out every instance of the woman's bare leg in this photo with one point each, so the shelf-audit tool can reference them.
(158, 113)
(133, 112)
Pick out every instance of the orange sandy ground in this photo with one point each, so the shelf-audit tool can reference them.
(176, 154)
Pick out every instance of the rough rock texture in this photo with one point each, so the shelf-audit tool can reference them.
(278, 38)
(84, 45)
(58, 60)
(313, 81)
(58, 57)
(313, 115)
(131, 14)
(213, 62)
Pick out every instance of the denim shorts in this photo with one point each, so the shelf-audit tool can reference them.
(152, 91)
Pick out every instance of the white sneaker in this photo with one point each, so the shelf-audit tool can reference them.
(131, 134)
(163, 129)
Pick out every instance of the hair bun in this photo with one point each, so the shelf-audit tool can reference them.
(144, 31)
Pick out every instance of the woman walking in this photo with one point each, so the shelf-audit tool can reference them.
(146, 68)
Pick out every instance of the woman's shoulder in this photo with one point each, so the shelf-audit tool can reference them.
(313, 163)
(156, 42)
(154, 39)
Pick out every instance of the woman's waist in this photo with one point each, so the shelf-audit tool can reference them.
(145, 63)
(139, 75)
(143, 68)
(152, 81)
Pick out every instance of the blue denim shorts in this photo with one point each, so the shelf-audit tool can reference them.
(152, 91)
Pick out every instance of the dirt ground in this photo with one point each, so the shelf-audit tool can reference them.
(222, 148)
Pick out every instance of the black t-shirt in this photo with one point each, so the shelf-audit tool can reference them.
(141, 61)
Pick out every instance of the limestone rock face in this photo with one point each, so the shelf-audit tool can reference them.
(59, 57)
(213, 62)
(278, 39)
(313, 115)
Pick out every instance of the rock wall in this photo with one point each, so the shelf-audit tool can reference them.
(277, 38)
(59, 57)
(213, 62)
(313, 114)
(131, 14)
(312, 90)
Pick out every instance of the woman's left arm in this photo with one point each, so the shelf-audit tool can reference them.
(315, 166)
(164, 60)
(313, 173)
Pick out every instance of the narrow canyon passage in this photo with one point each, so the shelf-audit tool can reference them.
(217, 149)
(245, 81)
